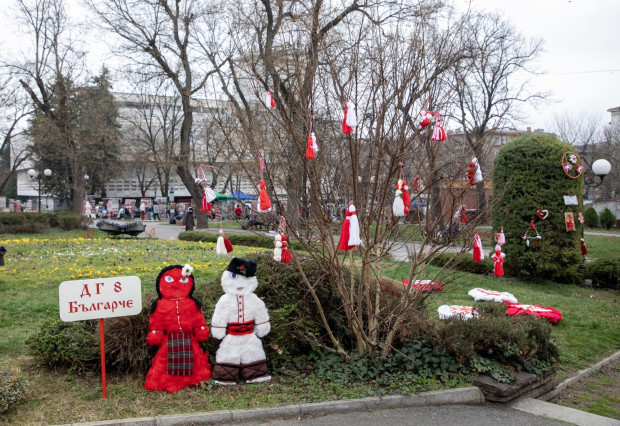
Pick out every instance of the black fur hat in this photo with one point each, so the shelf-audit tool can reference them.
(247, 268)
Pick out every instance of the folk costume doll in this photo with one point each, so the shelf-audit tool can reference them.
(223, 245)
(177, 325)
(478, 253)
(498, 260)
(239, 319)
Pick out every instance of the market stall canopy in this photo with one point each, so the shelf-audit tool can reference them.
(238, 195)
(221, 196)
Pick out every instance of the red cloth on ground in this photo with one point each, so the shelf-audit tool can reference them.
(548, 313)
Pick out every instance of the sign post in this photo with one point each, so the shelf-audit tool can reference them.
(100, 298)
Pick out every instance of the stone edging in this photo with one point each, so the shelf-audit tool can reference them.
(469, 395)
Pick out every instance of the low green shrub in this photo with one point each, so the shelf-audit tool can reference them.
(36, 223)
(250, 240)
(604, 272)
(12, 387)
(415, 359)
(522, 343)
(608, 219)
(590, 217)
(463, 262)
(71, 345)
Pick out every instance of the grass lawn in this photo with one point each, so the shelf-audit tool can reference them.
(36, 265)
(588, 332)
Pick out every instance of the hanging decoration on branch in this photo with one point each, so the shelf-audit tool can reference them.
(350, 231)
(478, 253)
(439, 134)
(424, 118)
(498, 260)
(572, 165)
(281, 252)
(527, 238)
(500, 238)
(474, 174)
(264, 203)
(415, 185)
(269, 102)
(209, 194)
(223, 245)
(460, 214)
(349, 123)
(542, 214)
(400, 207)
(312, 148)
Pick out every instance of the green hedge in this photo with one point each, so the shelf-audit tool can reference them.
(528, 176)
(604, 272)
(33, 223)
(250, 240)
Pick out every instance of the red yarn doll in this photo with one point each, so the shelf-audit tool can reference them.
(177, 325)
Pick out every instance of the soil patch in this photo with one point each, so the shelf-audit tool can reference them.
(599, 393)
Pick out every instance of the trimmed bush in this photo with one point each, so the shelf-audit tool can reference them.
(12, 387)
(608, 219)
(590, 217)
(33, 223)
(250, 240)
(604, 272)
(71, 345)
(528, 176)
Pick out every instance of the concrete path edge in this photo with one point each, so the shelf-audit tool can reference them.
(469, 395)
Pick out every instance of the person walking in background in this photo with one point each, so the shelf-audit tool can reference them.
(188, 220)
(142, 210)
(238, 211)
(156, 211)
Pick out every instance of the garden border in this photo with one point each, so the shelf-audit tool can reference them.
(469, 395)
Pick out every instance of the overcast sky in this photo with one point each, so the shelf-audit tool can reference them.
(580, 58)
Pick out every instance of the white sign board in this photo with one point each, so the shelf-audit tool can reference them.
(99, 298)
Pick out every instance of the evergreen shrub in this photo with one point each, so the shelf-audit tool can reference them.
(590, 217)
(35, 223)
(528, 176)
(12, 387)
(604, 272)
(608, 219)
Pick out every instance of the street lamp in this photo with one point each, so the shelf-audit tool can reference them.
(600, 168)
(34, 174)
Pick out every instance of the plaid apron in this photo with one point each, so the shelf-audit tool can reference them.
(180, 355)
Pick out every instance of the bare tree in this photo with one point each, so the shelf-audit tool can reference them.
(161, 36)
(151, 125)
(313, 63)
(490, 88)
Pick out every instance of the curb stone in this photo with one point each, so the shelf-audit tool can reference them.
(469, 395)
